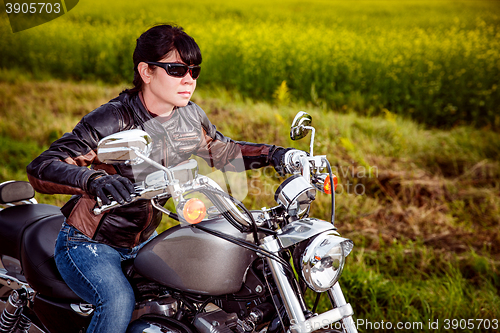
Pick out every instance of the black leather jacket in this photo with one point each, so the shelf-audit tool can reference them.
(64, 167)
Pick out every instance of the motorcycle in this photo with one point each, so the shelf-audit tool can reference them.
(222, 269)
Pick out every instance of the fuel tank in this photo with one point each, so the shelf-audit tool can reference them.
(189, 259)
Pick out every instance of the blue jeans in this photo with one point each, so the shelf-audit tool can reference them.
(93, 271)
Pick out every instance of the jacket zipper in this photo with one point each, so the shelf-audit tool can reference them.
(186, 136)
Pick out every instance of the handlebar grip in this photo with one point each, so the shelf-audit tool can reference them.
(99, 209)
(293, 160)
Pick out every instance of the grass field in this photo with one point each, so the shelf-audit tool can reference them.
(423, 208)
(403, 95)
(434, 61)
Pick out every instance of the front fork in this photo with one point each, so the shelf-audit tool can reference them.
(337, 299)
(299, 324)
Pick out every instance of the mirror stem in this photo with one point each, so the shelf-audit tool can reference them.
(311, 145)
(169, 173)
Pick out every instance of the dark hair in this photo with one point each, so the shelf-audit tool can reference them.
(156, 43)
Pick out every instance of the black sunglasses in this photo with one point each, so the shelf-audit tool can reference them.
(177, 70)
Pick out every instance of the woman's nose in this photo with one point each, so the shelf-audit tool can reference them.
(188, 78)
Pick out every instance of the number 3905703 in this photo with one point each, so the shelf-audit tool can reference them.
(32, 8)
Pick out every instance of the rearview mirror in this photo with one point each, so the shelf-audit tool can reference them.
(125, 147)
(299, 125)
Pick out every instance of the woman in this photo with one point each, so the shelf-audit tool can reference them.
(90, 248)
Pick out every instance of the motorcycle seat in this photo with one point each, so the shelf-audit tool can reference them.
(15, 220)
(37, 259)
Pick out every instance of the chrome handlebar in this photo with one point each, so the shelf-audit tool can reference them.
(297, 161)
(140, 193)
(161, 188)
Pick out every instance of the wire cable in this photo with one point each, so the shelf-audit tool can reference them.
(240, 205)
(332, 187)
(247, 245)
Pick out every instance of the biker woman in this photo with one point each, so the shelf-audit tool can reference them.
(90, 248)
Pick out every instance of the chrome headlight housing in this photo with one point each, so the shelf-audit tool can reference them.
(323, 260)
(295, 194)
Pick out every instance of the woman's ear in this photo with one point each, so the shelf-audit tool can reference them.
(145, 72)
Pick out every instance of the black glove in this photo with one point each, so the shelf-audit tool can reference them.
(117, 186)
(277, 160)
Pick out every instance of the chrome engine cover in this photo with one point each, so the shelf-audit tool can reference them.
(152, 324)
(164, 306)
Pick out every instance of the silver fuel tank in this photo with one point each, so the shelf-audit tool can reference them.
(192, 260)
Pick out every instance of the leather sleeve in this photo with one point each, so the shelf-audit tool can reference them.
(63, 168)
(222, 152)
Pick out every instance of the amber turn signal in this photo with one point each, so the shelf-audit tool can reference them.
(194, 211)
(327, 187)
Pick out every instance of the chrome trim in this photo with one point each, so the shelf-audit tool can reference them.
(302, 230)
(83, 309)
(287, 293)
(300, 125)
(290, 300)
(337, 299)
(12, 282)
(320, 246)
(215, 321)
(295, 195)
(31, 201)
(166, 306)
(294, 161)
(125, 147)
(323, 320)
(311, 144)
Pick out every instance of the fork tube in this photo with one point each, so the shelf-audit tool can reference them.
(337, 299)
(287, 293)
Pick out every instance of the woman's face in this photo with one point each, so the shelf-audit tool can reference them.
(170, 91)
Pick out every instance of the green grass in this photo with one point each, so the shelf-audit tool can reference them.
(380, 287)
(425, 227)
(421, 203)
(433, 61)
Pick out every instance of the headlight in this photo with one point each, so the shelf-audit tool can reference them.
(323, 260)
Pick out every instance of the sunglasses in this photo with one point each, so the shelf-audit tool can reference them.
(177, 70)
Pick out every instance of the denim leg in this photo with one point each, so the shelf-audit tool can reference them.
(93, 271)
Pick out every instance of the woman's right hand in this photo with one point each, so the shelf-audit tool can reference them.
(118, 187)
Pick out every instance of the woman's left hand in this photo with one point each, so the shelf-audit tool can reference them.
(278, 160)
